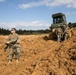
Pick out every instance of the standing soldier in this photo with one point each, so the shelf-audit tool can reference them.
(13, 42)
(59, 33)
(66, 32)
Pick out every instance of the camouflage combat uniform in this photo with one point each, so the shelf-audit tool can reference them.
(14, 46)
(59, 33)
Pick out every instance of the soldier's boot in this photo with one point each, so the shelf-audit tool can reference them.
(9, 61)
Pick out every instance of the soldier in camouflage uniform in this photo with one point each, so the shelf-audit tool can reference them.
(13, 41)
(66, 32)
(59, 33)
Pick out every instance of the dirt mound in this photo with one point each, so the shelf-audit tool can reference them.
(41, 57)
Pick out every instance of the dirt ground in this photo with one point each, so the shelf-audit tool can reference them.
(40, 56)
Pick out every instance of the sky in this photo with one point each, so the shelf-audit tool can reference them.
(34, 14)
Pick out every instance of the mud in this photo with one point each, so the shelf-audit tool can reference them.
(41, 56)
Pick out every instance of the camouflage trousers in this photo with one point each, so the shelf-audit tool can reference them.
(65, 36)
(14, 49)
(59, 36)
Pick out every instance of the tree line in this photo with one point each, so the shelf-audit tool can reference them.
(24, 32)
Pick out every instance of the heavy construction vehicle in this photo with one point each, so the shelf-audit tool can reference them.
(60, 19)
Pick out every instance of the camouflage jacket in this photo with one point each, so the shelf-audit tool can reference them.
(59, 30)
(66, 30)
(13, 39)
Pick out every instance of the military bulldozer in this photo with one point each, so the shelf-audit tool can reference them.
(59, 19)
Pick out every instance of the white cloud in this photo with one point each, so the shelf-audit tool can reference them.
(35, 25)
(70, 13)
(70, 3)
(29, 5)
(2, 0)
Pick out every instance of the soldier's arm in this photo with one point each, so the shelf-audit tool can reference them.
(6, 47)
